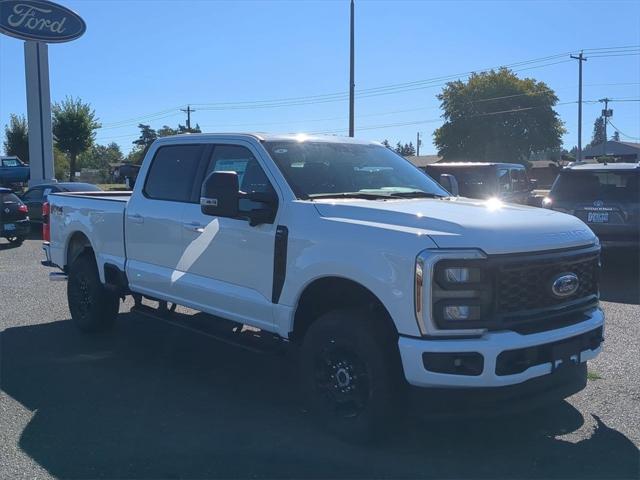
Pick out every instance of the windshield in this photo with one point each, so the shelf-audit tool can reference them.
(11, 162)
(321, 169)
(473, 182)
(589, 186)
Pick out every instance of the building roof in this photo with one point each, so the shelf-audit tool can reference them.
(613, 148)
(423, 160)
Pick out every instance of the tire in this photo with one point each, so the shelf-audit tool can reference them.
(17, 241)
(93, 307)
(351, 375)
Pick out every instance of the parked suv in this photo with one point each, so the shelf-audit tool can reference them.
(604, 196)
(14, 220)
(507, 181)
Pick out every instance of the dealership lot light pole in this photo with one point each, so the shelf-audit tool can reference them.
(352, 84)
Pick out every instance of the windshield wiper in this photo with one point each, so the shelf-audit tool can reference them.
(362, 195)
(415, 194)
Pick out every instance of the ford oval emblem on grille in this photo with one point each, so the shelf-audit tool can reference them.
(565, 285)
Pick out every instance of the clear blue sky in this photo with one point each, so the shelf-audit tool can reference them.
(139, 58)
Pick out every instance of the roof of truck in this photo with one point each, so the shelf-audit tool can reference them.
(603, 166)
(476, 164)
(270, 137)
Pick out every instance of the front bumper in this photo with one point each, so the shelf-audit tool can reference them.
(489, 347)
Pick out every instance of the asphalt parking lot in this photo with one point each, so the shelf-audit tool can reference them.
(154, 401)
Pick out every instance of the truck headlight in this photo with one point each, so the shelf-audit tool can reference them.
(461, 294)
(457, 313)
(452, 292)
(461, 275)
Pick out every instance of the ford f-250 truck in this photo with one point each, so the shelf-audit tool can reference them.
(383, 279)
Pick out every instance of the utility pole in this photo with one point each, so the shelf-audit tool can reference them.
(606, 113)
(352, 84)
(418, 144)
(188, 111)
(580, 59)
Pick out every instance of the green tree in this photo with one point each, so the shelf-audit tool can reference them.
(60, 164)
(496, 116)
(16, 138)
(598, 136)
(167, 131)
(406, 150)
(101, 157)
(616, 136)
(183, 129)
(74, 125)
(147, 136)
(385, 142)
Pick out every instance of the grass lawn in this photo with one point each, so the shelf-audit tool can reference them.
(112, 186)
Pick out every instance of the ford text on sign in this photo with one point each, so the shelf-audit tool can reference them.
(39, 20)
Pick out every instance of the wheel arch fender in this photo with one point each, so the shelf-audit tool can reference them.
(328, 292)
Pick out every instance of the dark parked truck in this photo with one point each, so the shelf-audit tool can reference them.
(604, 196)
(385, 282)
(12, 170)
(505, 181)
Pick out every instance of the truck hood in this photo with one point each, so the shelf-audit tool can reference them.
(489, 225)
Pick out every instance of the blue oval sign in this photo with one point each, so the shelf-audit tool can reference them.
(40, 20)
(565, 285)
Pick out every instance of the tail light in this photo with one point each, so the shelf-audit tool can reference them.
(23, 209)
(46, 231)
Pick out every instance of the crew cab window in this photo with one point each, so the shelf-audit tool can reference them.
(251, 176)
(172, 173)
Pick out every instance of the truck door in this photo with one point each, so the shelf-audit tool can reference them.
(226, 266)
(153, 219)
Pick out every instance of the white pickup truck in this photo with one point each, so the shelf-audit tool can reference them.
(384, 279)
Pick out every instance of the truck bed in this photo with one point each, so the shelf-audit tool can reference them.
(99, 216)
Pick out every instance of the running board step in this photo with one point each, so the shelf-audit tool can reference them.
(225, 331)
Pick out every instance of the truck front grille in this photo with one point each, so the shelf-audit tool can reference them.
(526, 284)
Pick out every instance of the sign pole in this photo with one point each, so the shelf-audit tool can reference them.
(36, 61)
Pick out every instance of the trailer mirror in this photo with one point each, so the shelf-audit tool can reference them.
(220, 193)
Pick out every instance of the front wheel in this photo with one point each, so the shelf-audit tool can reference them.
(351, 375)
(93, 307)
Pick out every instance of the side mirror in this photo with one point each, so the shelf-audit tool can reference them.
(220, 193)
(449, 183)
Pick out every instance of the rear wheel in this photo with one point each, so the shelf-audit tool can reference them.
(351, 375)
(15, 240)
(93, 307)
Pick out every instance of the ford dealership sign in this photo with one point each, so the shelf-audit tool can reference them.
(39, 20)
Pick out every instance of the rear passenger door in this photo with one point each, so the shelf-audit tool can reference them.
(227, 265)
(153, 220)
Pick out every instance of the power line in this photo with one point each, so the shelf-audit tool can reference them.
(363, 93)
(622, 133)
